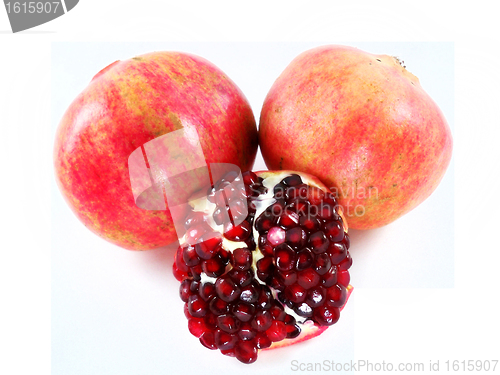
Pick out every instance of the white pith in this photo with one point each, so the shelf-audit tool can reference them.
(271, 179)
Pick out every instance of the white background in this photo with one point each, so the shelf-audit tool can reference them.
(425, 286)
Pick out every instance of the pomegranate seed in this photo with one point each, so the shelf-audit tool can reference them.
(194, 287)
(304, 259)
(284, 257)
(265, 247)
(218, 306)
(207, 339)
(224, 340)
(308, 278)
(277, 331)
(322, 264)
(330, 199)
(319, 242)
(265, 267)
(299, 206)
(228, 323)
(276, 283)
(288, 219)
(194, 218)
(336, 296)
(241, 259)
(224, 255)
(276, 236)
(326, 315)
(196, 306)
(250, 293)
(296, 238)
(298, 191)
(179, 261)
(262, 341)
(197, 326)
(214, 267)
(221, 215)
(303, 310)
(277, 207)
(178, 274)
(250, 242)
(243, 311)
(241, 278)
(277, 311)
(337, 252)
(292, 331)
(262, 320)
(228, 352)
(295, 293)
(186, 311)
(246, 351)
(249, 178)
(316, 296)
(315, 195)
(238, 209)
(287, 277)
(343, 277)
(346, 263)
(330, 278)
(290, 320)
(194, 233)
(310, 223)
(215, 196)
(190, 257)
(246, 332)
(184, 290)
(207, 291)
(264, 222)
(280, 191)
(334, 230)
(265, 298)
(226, 289)
(195, 272)
(346, 241)
(292, 180)
(211, 321)
(209, 245)
(239, 232)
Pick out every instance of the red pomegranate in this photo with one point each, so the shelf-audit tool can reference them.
(363, 125)
(128, 104)
(263, 262)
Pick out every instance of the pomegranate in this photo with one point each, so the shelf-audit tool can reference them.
(363, 125)
(268, 271)
(128, 104)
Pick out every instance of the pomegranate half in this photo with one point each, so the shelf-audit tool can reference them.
(128, 104)
(263, 262)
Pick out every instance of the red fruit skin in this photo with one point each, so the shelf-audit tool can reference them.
(363, 125)
(127, 104)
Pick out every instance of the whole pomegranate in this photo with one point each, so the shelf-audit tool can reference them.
(363, 125)
(263, 262)
(128, 104)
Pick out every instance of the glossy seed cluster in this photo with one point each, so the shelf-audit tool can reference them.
(243, 299)
(305, 250)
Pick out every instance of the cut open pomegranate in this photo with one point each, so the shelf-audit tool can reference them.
(263, 262)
